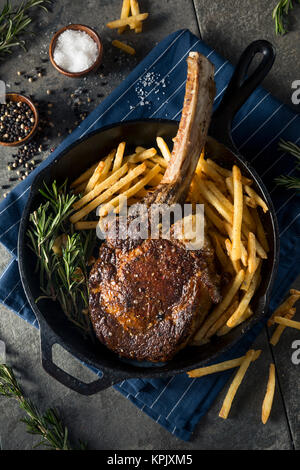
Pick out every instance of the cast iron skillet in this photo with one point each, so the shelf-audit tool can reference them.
(54, 327)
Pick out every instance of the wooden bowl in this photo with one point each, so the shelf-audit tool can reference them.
(16, 97)
(92, 34)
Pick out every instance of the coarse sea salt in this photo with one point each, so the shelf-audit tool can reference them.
(75, 51)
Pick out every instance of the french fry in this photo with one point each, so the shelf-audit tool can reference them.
(251, 253)
(131, 21)
(142, 193)
(260, 232)
(156, 180)
(286, 322)
(223, 305)
(253, 194)
(286, 305)
(139, 149)
(119, 156)
(84, 177)
(232, 321)
(251, 202)
(199, 343)
(246, 214)
(108, 193)
(249, 276)
(224, 412)
(280, 328)
(124, 47)
(222, 319)
(268, 400)
(237, 213)
(163, 148)
(214, 175)
(141, 156)
(260, 250)
(223, 200)
(244, 253)
(103, 173)
(95, 176)
(247, 218)
(223, 259)
(215, 219)
(227, 173)
(221, 366)
(294, 292)
(135, 10)
(151, 164)
(160, 160)
(222, 171)
(86, 225)
(201, 163)
(214, 201)
(225, 329)
(130, 192)
(124, 14)
(235, 263)
(112, 179)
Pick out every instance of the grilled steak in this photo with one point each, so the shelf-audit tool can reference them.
(148, 297)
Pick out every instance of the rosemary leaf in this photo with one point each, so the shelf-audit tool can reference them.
(290, 182)
(48, 425)
(62, 254)
(280, 14)
(14, 23)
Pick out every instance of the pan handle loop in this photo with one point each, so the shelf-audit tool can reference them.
(241, 87)
(107, 379)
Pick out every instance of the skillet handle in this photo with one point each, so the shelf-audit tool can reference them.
(107, 379)
(241, 87)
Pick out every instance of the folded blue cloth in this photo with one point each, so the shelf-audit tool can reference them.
(156, 89)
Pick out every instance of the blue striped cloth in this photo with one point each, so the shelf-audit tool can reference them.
(156, 89)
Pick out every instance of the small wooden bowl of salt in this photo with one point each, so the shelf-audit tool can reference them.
(75, 50)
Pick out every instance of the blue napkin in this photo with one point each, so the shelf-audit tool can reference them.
(156, 89)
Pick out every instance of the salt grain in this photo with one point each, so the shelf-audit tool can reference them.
(75, 51)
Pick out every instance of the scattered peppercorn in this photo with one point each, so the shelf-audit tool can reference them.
(17, 120)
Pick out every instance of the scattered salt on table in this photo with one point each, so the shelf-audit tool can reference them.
(75, 51)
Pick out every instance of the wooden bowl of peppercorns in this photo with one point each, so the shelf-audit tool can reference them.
(18, 120)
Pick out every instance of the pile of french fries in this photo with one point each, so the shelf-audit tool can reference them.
(114, 178)
(134, 21)
(234, 223)
(282, 316)
(231, 208)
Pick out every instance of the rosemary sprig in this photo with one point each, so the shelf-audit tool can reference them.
(280, 14)
(290, 182)
(48, 425)
(14, 22)
(62, 254)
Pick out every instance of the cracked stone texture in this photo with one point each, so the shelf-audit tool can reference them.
(107, 420)
(230, 26)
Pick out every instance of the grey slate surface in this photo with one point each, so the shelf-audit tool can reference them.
(107, 420)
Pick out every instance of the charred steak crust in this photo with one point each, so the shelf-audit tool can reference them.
(145, 303)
